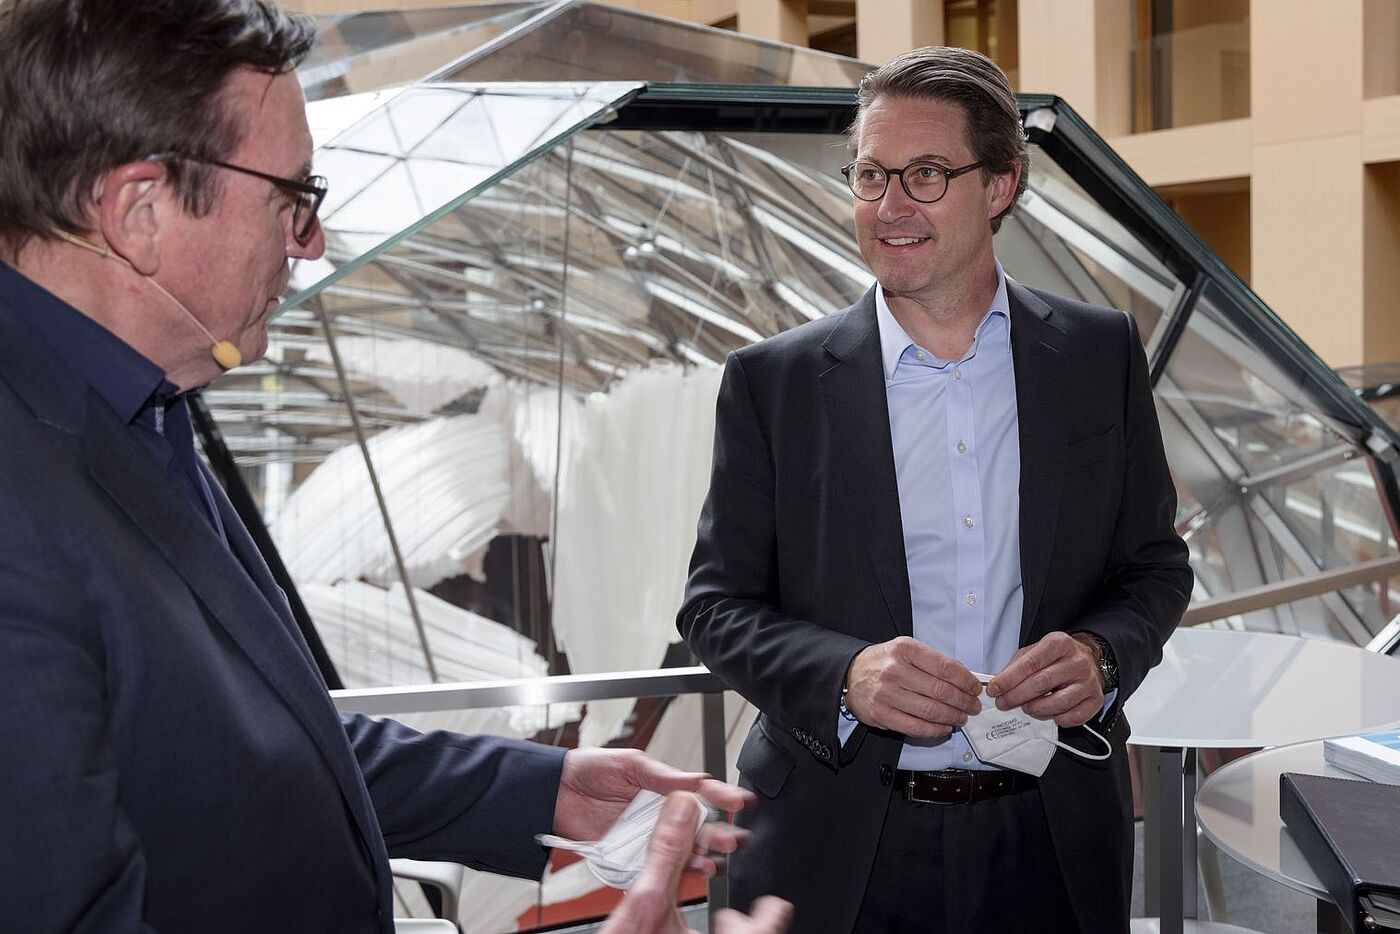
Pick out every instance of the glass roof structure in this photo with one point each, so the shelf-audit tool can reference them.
(358, 52)
(550, 222)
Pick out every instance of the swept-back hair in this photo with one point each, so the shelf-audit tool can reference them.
(89, 85)
(972, 82)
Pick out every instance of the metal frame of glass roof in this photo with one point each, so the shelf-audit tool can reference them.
(564, 236)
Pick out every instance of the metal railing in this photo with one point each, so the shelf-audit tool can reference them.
(1278, 593)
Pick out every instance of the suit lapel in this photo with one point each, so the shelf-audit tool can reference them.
(853, 387)
(1037, 356)
(251, 558)
(191, 546)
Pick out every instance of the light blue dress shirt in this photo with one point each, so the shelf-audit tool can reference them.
(957, 461)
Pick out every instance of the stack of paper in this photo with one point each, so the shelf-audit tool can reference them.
(1372, 755)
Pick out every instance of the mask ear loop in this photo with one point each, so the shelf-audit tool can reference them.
(225, 354)
(1087, 755)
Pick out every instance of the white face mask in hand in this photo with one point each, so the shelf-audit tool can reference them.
(617, 859)
(1014, 739)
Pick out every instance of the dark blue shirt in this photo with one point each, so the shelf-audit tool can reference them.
(132, 386)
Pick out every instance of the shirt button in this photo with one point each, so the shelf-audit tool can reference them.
(971, 599)
(967, 521)
(957, 374)
(967, 757)
(919, 354)
(962, 448)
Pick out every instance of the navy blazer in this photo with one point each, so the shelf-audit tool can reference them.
(799, 565)
(172, 760)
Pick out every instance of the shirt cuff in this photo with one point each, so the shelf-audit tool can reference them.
(844, 728)
(1108, 700)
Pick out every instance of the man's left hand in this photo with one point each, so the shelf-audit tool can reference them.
(1057, 677)
(597, 784)
(649, 907)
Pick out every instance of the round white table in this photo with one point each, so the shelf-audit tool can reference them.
(1221, 688)
(1237, 808)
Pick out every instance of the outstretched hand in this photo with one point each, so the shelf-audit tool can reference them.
(650, 906)
(597, 784)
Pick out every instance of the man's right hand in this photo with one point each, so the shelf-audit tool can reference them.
(911, 688)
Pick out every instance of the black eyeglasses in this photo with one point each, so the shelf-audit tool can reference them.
(307, 194)
(925, 182)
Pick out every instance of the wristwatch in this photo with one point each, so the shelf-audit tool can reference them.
(1108, 665)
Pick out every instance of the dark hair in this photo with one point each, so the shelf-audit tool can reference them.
(971, 81)
(89, 85)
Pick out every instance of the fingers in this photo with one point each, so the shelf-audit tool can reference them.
(721, 838)
(770, 916)
(672, 843)
(650, 904)
(657, 776)
(921, 715)
(772, 913)
(1080, 714)
(1053, 664)
(1065, 697)
(940, 666)
(714, 842)
(907, 686)
(723, 796)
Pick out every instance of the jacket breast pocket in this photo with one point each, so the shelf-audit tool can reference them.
(1088, 451)
(763, 763)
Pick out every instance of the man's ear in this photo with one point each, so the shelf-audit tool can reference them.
(1003, 189)
(129, 212)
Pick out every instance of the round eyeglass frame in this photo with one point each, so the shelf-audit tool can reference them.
(947, 173)
(307, 194)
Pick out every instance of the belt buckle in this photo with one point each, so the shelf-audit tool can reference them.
(952, 778)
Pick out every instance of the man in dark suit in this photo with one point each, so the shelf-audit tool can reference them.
(172, 761)
(956, 475)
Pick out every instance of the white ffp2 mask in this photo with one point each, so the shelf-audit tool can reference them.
(617, 859)
(1013, 739)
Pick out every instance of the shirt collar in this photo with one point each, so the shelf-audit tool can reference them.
(894, 341)
(125, 379)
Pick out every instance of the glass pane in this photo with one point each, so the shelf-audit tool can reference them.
(1268, 491)
(1253, 409)
(359, 52)
(591, 42)
(397, 165)
(1060, 240)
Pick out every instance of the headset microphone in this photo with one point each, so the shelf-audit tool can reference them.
(225, 354)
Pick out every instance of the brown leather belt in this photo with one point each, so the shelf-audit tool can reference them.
(960, 786)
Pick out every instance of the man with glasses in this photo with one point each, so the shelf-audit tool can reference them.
(172, 761)
(956, 476)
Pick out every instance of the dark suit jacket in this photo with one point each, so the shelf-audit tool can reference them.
(171, 759)
(800, 564)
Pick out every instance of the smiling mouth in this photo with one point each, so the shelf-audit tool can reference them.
(902, 241)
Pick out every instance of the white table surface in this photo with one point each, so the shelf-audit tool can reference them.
(1237, 808)
(1223, 688)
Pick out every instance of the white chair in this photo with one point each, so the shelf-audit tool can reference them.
(445, 877)
(418, 926)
